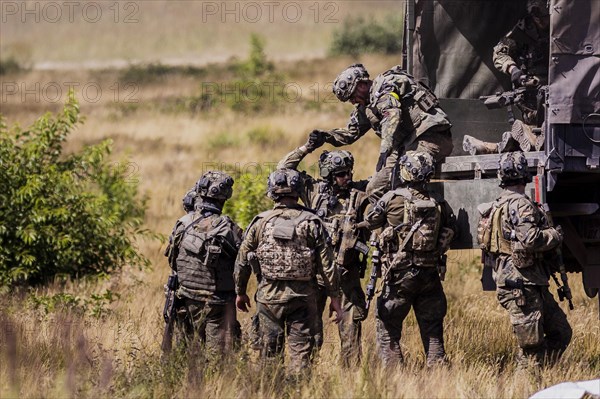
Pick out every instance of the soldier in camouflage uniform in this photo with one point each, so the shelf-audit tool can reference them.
(418, 229)
(341, 203)
(524, 55)
(516, 237)
(286, 248)
(402, 111)
(202, 251)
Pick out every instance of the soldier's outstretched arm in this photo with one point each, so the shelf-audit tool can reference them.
(358, 125)
(293, 158)
(503, 61)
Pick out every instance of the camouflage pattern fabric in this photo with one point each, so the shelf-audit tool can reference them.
(331, 204)
(540, 326)
(212, 324)
(408, 284)
(438, 144)
(526, 48)
(283, 252)
(421, 289)
(288, 306)
(521, 277)
(294, 319)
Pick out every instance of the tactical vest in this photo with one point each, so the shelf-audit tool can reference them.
(418, 102)
(419, 232)
(283, 252)
(199, 258)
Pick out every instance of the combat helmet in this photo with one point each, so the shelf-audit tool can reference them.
(284, 183)
(512, 169)
(333, 162)
(345, 84)
(215, 184)
(416, 167)
(189, 200)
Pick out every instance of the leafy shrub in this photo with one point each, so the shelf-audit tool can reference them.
(153, 72)
(359, 35)
(10, 65)
(249, 198)
(60, 214)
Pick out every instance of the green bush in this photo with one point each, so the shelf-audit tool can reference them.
(64, 214)
(359, 35)
(10, 65)
(249, 198)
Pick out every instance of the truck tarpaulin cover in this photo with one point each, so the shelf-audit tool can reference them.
(454, 40)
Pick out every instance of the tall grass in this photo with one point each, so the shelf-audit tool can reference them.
(72, 351)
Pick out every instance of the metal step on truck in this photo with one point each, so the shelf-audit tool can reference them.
(449, 46)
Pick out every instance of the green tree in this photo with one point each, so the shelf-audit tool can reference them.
(64, 214)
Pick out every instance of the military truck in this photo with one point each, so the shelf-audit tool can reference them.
(448, 46)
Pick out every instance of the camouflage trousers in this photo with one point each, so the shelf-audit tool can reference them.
(540, 326)
(349, 329)
(421, 289)
(294, 319)
(213, 325)
(438, 144)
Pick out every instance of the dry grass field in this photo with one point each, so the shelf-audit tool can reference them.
(68, 351)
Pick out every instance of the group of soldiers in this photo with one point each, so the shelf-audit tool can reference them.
(303, 253)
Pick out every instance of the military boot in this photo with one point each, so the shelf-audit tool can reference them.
(436, 354)
(477, 147)
(527, 139)
(508, 143)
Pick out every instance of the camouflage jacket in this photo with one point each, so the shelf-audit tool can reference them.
(390, 214)
(525, 48)
(282, 291)
(533, 242)
(197, 280)
(337, 208)
(400, 109)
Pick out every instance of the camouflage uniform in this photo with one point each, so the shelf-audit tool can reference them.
(333, 204)
(526, 48)
(203, 251)
(404, 113)
(286, 247)
(412, 243)
(521, 241)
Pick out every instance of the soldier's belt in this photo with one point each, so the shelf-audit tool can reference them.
(419, 259)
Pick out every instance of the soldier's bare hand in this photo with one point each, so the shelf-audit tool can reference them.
(242, 302)
(336, 306)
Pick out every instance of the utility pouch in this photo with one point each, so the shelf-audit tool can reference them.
(425, 99)
(519, 297)
(284, 230)
(212, 255)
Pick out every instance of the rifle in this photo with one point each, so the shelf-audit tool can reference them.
(375, 269)
(504, 99)
(350, 235)
(169, 311)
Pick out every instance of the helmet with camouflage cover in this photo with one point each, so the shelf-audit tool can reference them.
(189, 200)
(333, 162)
(345, 84)
(215, 184)
(416, 167)
(512, 169)
(284, 183)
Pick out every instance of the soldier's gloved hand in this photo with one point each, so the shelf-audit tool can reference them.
(242, 302)
(316, 139)
(336, 306)
(516, 77)
(381, 161)
(560, 232)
